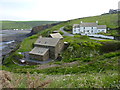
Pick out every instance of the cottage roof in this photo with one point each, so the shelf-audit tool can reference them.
(47, 41)
(88, 25)
(39, 50)
(76, 25)
(101, 26)
(56, 35)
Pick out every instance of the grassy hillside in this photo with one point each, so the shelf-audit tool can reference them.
(86, 63)
(23, 24)
(111, 20)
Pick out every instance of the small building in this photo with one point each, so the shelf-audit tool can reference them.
(39, 53)
(45, 48)
(56, 35)
(88, 28)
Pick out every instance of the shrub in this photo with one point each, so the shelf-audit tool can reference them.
(68, 28)
(84, 37)
(33, 37)
(77, 36)
(17, 56)
(110, 46)
(113, 54)
(61, 32)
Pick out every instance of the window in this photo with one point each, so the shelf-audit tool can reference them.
(74, 30)
(84, 27)
(92, 27)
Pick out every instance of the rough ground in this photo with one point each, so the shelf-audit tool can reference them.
(12, 80)
(5, 79)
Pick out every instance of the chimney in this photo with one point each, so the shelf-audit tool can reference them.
(81, 22)
(97, 22)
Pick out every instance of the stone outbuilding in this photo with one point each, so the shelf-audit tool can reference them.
(39, 53)
(45, 48)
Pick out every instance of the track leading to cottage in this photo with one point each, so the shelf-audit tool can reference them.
(65, 33)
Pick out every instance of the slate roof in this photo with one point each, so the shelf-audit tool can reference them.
(38, 51)
(56, 35)
(88, 25)
(47, 41)
(84, 24)
(76, 25)
(101, 26)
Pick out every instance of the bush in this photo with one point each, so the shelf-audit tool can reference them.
(84, 37)
(17, 56)
(77, 36)
(68, 28)
(110, 46)
(110, 55)
(61, 32)
(33, 37)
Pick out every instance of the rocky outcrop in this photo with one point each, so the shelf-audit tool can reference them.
(42, 27)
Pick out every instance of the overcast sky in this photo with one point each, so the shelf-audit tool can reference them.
(57, 10)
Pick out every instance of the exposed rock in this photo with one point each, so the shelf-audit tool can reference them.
(42, 27)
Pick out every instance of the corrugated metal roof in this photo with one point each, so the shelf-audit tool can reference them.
(101, 26)
(56, 35)
(47, 41)
(39, 50)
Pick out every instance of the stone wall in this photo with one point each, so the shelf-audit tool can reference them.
(40, 57)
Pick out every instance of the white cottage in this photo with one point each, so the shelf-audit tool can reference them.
(88, 28)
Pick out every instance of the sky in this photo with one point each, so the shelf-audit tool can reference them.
(53, 10)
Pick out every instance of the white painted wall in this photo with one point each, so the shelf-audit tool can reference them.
(101, 30)
(76, 30)
(88, 30)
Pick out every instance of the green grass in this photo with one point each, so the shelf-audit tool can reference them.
(77, 39)
(27, 45)
(93, 80)
(23, 24)
(110, 20)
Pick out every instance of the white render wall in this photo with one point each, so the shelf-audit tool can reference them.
(76, 30)
(102, 30)
(88, 30)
